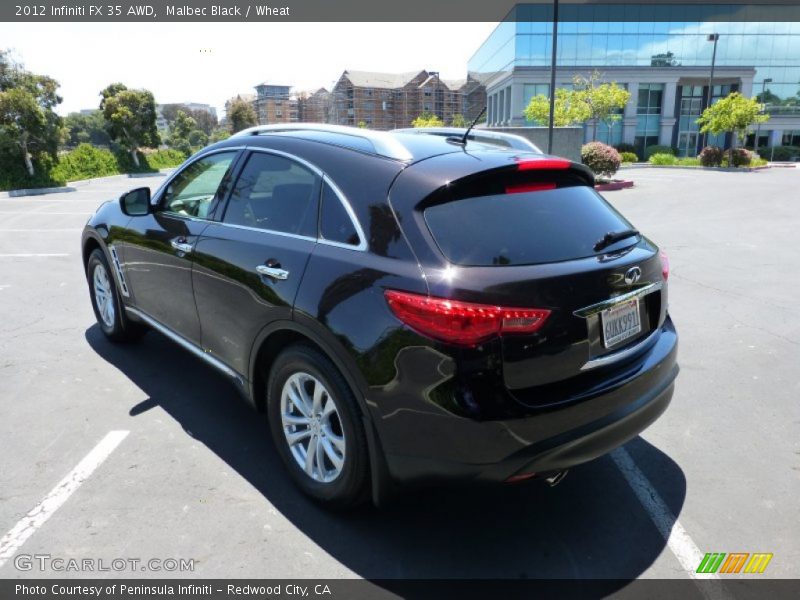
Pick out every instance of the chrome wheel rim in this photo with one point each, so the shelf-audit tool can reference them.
(103, 295)
(312, 427)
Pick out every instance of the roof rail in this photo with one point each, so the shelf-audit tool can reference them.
(384, 144)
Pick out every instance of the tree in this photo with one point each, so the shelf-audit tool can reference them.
(732, 114)
(570, 109)
(28, 121)
(427, 119)
(86, 129)
(458, 120)
(204, 119)
(604, 100)
(218, 135)
(362, 124)
(241, 115)
(130, 117)
(180, 130)
(667, 59)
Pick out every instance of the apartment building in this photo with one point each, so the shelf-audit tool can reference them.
(393, 100)
(275, 104)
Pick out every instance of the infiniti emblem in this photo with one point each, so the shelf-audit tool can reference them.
(632, 275)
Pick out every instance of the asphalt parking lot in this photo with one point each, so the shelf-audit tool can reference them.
(197, 478)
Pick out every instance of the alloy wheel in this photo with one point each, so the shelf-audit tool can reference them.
(103, 295)
(312, 427)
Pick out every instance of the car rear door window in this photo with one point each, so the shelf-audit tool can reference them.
(335, 224)
(524, 228)
(275, 193)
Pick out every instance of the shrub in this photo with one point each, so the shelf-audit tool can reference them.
(742, 157)
(780, 153)
(663, 159)
(650, 150)
(85, 162)
(688, 161)
(629, 157)
(164, 159)
(711, 156)
(600, 158)
(625, 148)
(13, 175)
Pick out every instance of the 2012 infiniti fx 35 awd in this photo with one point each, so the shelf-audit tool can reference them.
(406, 308)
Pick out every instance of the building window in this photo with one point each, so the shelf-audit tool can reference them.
(791, 138)
(650, 98)
(648, 115)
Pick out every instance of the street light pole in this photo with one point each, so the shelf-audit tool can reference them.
(763, 107)
(712, 37)
(553, 79)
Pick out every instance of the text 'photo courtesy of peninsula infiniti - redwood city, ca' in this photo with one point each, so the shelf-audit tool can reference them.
(408, 308)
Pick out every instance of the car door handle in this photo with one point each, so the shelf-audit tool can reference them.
(274, 272)
(181, 245)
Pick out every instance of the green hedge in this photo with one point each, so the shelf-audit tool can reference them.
(84, 162)
(780, 153)
(13, 175)
(651, 150)
(629, 157)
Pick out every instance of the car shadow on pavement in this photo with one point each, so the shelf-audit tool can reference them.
(589, 526)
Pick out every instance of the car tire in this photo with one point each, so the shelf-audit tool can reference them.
(106, 301)
(302, 382)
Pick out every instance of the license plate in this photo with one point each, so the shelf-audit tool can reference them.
(620, 322)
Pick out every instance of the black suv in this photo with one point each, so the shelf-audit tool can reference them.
(406, 308)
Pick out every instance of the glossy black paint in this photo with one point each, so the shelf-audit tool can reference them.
(431, 410)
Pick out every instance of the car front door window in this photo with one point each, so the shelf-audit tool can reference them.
(195, 191)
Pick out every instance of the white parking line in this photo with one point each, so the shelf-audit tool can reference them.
(12, 541)
(31, 255)
(678, 540)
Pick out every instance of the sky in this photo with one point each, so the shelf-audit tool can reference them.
(211, 62)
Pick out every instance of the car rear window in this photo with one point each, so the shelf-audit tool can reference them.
(524, 228)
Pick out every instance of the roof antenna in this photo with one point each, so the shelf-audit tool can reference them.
(466, 133)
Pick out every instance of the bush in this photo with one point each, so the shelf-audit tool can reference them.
(742, 157)
(625, 148)
(780, 153)
(629, 157)
(164, 159)
(650, 150)
(600, 158)
(85, 162)
(663, 159)
(688, 161)
(711, 156)
(13, 175)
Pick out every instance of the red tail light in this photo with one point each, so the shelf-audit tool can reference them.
(462, 323)
(535, 164)
(664, 265)
(529, 187)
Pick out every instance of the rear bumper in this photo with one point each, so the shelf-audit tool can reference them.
(440, 446)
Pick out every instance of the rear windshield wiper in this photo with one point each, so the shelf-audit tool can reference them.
(614, 236)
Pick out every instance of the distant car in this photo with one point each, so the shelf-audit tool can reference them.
(492, 138)
(406, 308)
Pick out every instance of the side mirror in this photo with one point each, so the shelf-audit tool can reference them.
(135, 203)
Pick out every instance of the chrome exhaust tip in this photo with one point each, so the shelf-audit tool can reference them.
(555, 479)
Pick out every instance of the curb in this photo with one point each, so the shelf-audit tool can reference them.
(72, 186)
(698, 168)
(614, 185)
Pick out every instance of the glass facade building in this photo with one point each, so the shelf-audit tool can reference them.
(661, 53)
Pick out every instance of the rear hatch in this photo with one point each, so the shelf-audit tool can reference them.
(521, 231)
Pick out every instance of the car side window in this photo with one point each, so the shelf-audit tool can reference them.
(195, 191)
(276, 194)
(335, 224)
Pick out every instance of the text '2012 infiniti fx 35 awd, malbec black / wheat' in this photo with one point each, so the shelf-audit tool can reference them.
(406, 308)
